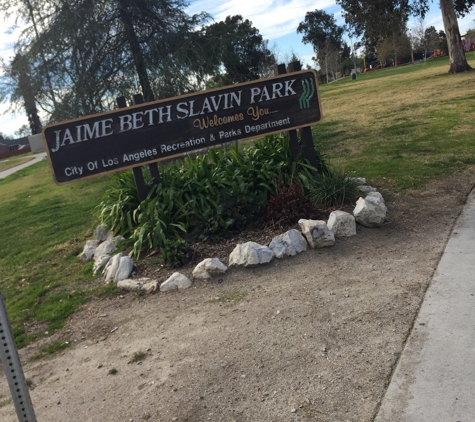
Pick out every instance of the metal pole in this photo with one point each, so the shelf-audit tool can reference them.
(13, 370)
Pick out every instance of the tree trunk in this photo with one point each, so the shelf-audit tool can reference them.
(458, 62)
(30, 104)
(20, 69)
(136, 51)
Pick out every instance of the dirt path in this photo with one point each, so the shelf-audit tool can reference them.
(309, 338)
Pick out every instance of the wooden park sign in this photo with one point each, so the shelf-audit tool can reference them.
(159, 130)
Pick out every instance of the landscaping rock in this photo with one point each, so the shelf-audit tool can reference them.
(112, 267)
(371, 211)
(100, 264)
(250, 253)
(317, 233)
(364, 189)
(140, 284)
(175, 281)
(209, 267)
(342, 224)
(375, 197)
(102, 234)
(89, 249)
(105, 248)
(126, 265)
(288, 244)
(358, 180)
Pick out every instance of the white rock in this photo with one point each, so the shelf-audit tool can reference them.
(358, 180)
(375, 197)
(288, 244)
(89, 250)
(209, 267)
(101, 233)
(250, 253)
(317, 233)
(134, 285)
(370, 211)
(126, 265)
(174, 282)
(364, 189)
(342, 224)
(105, 248)
(112, 267)
(100, 264)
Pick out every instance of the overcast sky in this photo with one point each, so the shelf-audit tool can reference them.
(277, 21)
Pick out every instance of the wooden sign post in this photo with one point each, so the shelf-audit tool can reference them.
(143, 189)
(305, 149)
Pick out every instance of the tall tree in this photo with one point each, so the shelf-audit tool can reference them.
(364, 17)
(322, 32)
(20, 70)
(449, 9)
(238, 48)
(20, 89)
(320, 28)
(431, 38)
(91, 51)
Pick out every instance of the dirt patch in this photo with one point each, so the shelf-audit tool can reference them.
(309, 338)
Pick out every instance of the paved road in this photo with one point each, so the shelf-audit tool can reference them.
(36, 158)
(435, 378)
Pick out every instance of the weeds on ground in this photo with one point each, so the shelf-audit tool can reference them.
(138, 356)
(230, 298)
(51, 349)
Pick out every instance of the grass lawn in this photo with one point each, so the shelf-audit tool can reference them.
(399, 127)
(7, 163)
(43, 227)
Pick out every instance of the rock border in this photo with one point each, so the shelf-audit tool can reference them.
(369, 211)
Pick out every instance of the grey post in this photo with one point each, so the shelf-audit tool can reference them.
(13, 370)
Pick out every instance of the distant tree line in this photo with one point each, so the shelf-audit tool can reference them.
(382, 27)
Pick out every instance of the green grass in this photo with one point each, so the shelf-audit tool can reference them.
(230, 298)
(16, 160)
(51, 349)
(43, 227)
(400, 127)
(6, 402)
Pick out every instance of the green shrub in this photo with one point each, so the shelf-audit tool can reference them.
(204, 197)
(332, 189)
(176, 253)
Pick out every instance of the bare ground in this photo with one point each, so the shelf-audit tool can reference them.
(309, 338)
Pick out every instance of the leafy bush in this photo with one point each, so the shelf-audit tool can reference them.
(332, 189)
(176, 253)
(204, 197)
(287, 207)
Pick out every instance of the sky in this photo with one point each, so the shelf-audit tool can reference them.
(277, 21)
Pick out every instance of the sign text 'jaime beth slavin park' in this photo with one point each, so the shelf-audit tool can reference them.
(149, 132)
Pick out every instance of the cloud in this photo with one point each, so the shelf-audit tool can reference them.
(273, 18)
(9, 36)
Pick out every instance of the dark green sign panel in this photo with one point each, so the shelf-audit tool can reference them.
(159, 130)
